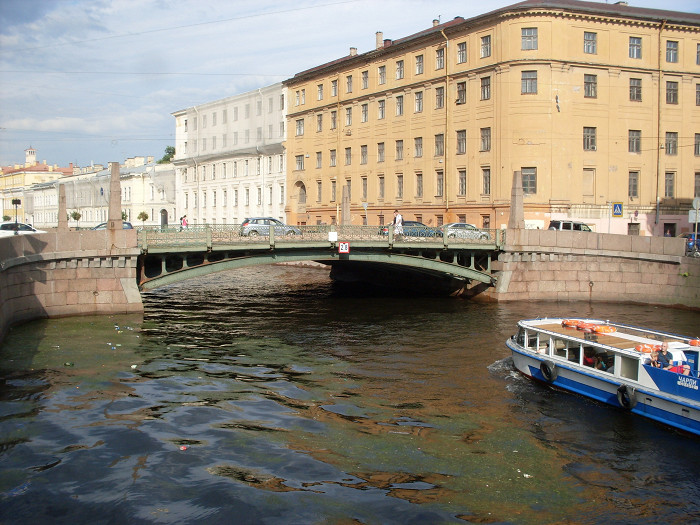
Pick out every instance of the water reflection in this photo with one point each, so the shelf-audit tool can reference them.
(268, 395)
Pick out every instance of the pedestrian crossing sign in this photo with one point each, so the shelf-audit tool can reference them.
(617, 209)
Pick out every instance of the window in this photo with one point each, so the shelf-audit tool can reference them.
(348, 116)
(697, 94)
(671, 51)
(671, 143)
(439, 97)
(380, 184)
(636, 89)
(486, 179)
(485, 139)
(462, 52)
(590, 43)
(364, 112)
(399, 69)
(334, 88)
(528, 38)
(439, 183)
(529, 178)
(635, 47)
(697, 145)
(319, 122)
(381, 106)
(380, 152)
(300, 127)
(399, 105)
(634, 141)
(633, 184)
(589, 139)
(461, 92)
(399, 150)
(697, 185)
(440, 58)
(439, 145)
(419, 64)
(461, 142)
(333, 192)
(669, 184)
(364, 188)
(462, 183)
(299, 162)
(348, 84)
(303, 101)
(348, 156)
(363, 154)
(319, 95)
(419, 185)
(319, 191)
(333, 158)
(697, 55)
(334, 119)
(381, 74)
(418, 147)
(590, 86)
(365, 79)
(671, 92)
(485, 46)
(399, 186)
(485, 88)
(348, 185)
(419, 101)
(528, 82)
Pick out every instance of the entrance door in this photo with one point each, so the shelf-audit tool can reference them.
(163, 218)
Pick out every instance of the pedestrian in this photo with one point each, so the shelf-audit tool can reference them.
(398, 223)
(183, 223)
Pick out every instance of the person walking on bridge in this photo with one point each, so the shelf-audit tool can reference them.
(398, 223)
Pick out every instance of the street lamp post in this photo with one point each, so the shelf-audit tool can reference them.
(15, 203)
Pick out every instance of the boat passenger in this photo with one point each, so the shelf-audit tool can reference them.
(680, 369)
(664, 357)
(653, 361)
(589, 358)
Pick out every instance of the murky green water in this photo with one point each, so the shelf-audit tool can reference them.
(267, 396)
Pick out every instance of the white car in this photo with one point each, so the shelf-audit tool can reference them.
(9, 228)
(464, 230)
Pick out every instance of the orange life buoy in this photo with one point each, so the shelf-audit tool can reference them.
(570, 323)
(645, 349)
(694, 342)
(604, 329)
(586, 327)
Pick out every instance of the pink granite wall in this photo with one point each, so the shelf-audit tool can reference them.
(69, 273)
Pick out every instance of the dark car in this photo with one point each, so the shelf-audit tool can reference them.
(413, 229)
(261, 226)
(125, 226)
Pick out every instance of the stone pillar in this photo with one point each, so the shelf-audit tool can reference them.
(62, 211)
(517, 213)
(115, 199)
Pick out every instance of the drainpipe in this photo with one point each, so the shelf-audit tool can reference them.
(658, 130)
(446, 176)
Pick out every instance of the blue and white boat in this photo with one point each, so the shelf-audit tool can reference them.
(612, 363)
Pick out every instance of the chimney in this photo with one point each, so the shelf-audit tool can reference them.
(353, 51)
(436, 22)
(380, 39)
(387, 42)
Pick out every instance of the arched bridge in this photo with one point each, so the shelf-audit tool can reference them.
(366, 253)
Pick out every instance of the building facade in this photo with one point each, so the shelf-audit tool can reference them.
(596, 105)
(229, 158)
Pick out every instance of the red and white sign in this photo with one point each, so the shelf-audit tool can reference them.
(343, 247)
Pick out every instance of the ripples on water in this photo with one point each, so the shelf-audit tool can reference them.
(267, 396)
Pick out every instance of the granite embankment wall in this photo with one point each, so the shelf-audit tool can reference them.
(575, 266)
(68, 273)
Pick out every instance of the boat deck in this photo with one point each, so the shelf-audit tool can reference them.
(619, 340)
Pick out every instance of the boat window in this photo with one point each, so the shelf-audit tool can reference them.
(520, 337)
(561, 347)
(629, 368)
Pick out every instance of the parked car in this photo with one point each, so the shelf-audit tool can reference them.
(10, 227)
(690, 240)
(261, 226)
(413, 229)
(463, 230)
(125, 226)
(569, 226)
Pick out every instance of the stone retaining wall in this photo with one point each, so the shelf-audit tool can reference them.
(72, 273)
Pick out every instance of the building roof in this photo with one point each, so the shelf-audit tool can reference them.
(619, 9)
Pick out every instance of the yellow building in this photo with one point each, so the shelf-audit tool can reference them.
(597, 105)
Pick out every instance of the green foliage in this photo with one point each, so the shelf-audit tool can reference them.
(6, 217)
(169, 154)
(75, 215)
(143, 216)
(123, 215)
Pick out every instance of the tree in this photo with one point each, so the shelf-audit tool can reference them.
(75, 215)
(169, 154)
(123, 215)
(6, 218)
(143, 217)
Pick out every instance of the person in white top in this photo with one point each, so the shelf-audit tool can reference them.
(398, 223)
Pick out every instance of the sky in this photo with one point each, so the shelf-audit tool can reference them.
(96, 81)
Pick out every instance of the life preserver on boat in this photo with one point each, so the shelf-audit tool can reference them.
(694, 342)
(549, 370)
(627, 396)
(586, 327)
(604, 329)
(645, 349)
(570, 323)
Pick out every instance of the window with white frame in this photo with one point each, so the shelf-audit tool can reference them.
(634, 141)
(440, 58)
(671, 145)
(590, 86)
(589, 138)
(462, 183)
(439, 145)
(636, 89)
(439, 97)
(399, 105)
(399, 69)
(299, 162)
(461, 92)
(528, 82)
(419, 64)
(486, 46)
(671, 51)
(365, 79)
(485, 88)
(419, 101)
(332, 158)
(486, 181)
(380, 152)
(485, 139)
(590, 43)
(419, 185)
(363, 154)
(418, 147)
(528, 38)
(399, 185)
(334, 88)
(381, 109)
(669, 185)
(399, 150)
(319, 91)
(348, 156)
(364, 112)
(461, 52)
(635, 47)
(319, 122)
(633, 184)
(348, 84)
(461, 142)
(671, 92)
(319, 160)
(334, 119)
(299, 127)
(529, 179)
(439, 183)
(381, 74)
(348, 116)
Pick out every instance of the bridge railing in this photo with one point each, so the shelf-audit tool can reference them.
(209, 235)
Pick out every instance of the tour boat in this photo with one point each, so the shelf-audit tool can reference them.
(612, 363)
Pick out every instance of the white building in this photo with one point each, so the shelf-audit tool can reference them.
(146, 187)
(230, 158)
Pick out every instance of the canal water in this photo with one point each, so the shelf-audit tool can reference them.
(269, 396)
